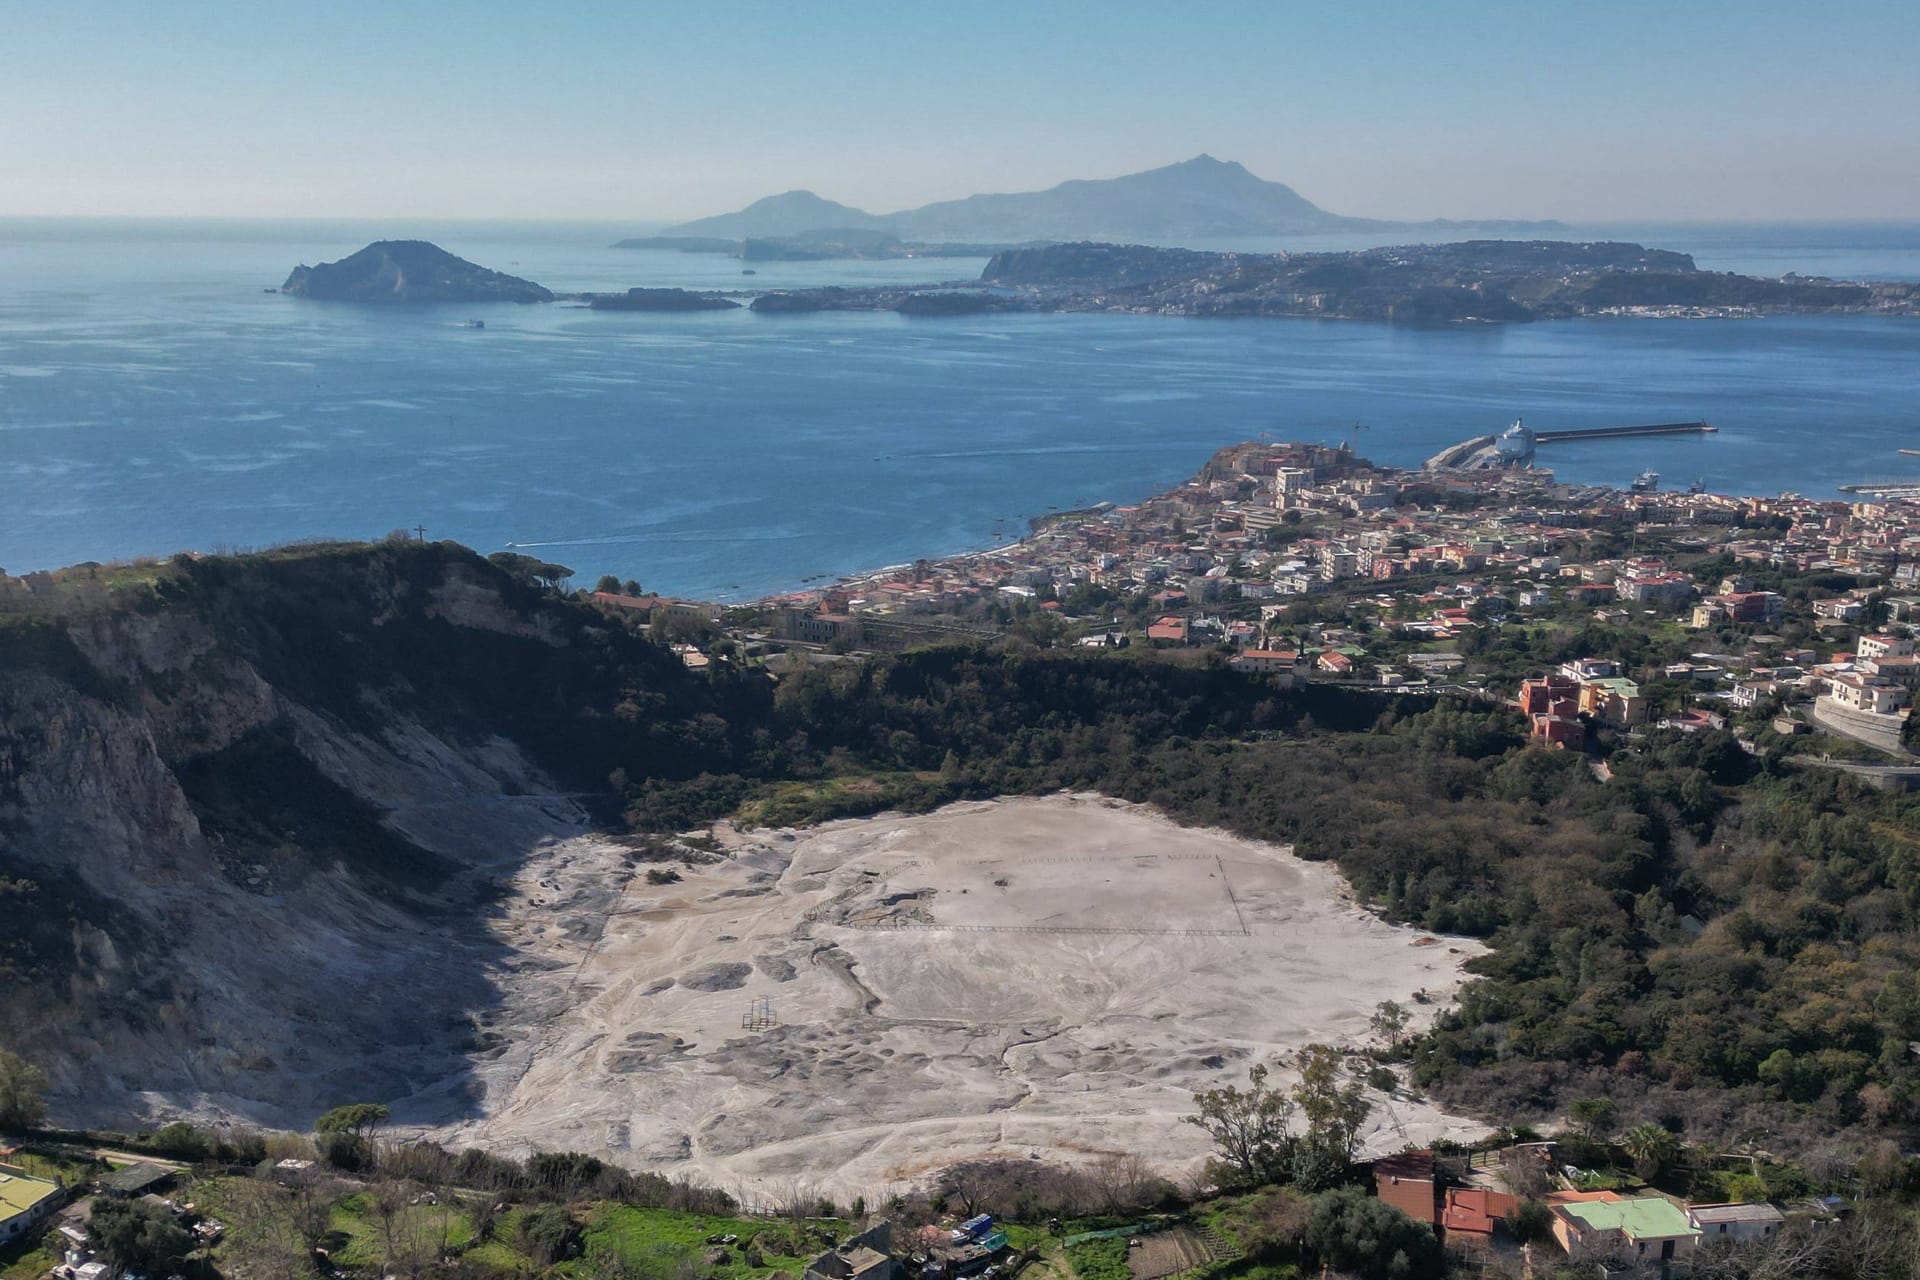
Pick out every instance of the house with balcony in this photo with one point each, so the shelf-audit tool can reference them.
(1869, 695)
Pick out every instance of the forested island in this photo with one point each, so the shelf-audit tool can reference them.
(1475, 281)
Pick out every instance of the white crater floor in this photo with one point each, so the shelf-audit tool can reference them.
(846, 1008)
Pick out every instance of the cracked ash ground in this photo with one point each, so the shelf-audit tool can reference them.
(1053, 975)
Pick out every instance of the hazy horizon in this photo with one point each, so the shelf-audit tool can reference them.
(1618, 113)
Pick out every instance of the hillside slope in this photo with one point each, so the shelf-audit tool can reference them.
(252, 812)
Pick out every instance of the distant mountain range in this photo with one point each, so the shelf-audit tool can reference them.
(1201, 198)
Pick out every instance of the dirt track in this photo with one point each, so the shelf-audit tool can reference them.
(1053, 975)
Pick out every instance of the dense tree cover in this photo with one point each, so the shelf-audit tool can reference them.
(139, 1235)
(22, 1093)
(1706, 919)
(1349, 1229)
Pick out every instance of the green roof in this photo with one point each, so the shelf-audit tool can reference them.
(1648, 1218)
(19, 1193)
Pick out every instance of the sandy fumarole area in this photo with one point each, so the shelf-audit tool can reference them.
(852, 1006)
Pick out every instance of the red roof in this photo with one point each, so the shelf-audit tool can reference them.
(1475, 1209)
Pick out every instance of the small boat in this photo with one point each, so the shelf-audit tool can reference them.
(748, 271)
(474, 324)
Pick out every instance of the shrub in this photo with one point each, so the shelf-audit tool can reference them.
(1531, 1223)
(1101, 1259)
(1352, 1231)
(549, 1234)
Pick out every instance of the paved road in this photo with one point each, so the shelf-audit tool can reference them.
(1878, 774)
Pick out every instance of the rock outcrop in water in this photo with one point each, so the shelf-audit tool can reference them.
(661, 300)
(409, 271)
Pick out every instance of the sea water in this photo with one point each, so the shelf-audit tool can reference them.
(155, 395)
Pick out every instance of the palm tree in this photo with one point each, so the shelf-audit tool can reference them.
(1652, 1147)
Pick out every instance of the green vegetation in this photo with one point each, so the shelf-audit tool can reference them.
(373, 1228)
(343, 1137)
(137, 1235)
(1351, 1230)
(22, 1092)
(52, 1163)
(27, 1260)
(651, 1240)
(1100, 1259)
(1251, 1127)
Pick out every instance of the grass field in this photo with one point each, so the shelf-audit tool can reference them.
(1100, 1259)
(42, 1163)
(647, 1235)
(420, 1231)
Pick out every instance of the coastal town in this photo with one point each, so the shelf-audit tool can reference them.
(1592, 610)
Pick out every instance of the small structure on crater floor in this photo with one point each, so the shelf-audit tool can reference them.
(759, 1016)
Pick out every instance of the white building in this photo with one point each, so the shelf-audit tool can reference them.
(1874, 695)
(1277, 662)
(1884, 646)
(1740, 1222)
(24, 1202)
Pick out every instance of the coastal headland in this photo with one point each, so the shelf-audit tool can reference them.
(1473, 282)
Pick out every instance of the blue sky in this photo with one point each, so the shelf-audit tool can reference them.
(656, 111)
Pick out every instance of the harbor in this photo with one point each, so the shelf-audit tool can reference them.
(1515, 447)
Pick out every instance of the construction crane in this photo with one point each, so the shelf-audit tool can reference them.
(1353, 436)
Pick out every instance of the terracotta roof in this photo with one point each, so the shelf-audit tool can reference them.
(1475, 1209)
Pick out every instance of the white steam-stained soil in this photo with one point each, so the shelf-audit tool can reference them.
(849, 1007)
